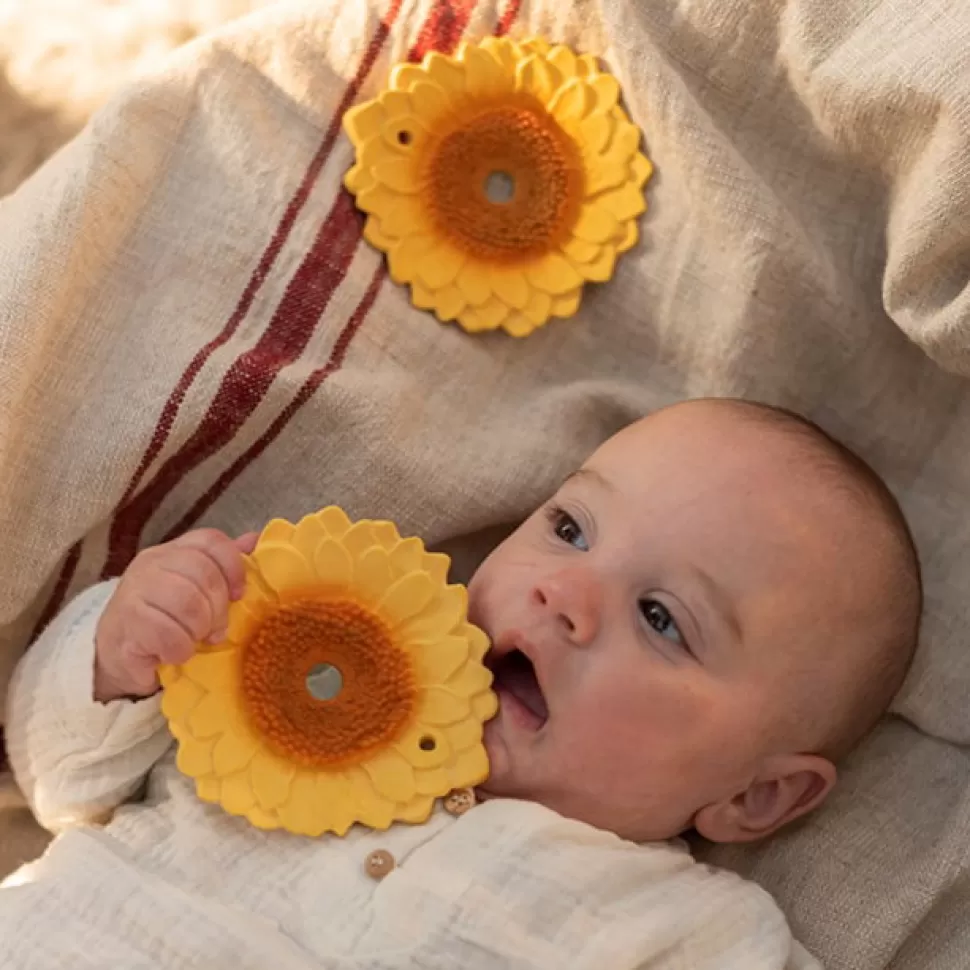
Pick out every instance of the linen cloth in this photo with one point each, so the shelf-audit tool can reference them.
(192, 332)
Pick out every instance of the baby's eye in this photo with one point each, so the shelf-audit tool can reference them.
(658, 618)
(568, 529)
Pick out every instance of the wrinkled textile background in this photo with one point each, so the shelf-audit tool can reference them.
(191, 332)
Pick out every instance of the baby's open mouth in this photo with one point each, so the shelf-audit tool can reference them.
(515, 677)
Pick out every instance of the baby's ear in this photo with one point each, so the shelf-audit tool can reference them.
(787, 787)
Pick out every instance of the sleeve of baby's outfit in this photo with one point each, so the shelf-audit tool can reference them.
(75, 758)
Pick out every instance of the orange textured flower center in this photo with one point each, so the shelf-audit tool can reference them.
(376, 698)
(520, 148)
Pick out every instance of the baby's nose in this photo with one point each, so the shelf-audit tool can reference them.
(571, 599)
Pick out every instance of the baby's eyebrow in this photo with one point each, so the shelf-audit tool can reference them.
(591, 475)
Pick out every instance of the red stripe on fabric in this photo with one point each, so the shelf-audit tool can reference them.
(307, 390)
(442, 31)
(249, 377)
(508, 18)
(171, 407)
(444, 28)
(59, 592)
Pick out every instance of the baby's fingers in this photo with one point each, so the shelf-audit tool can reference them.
(224, 553)
(182, 605)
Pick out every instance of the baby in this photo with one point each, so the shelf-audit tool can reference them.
(704, 619)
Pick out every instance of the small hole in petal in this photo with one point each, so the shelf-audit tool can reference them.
(404, 138)
(499, 188)
(427, 743)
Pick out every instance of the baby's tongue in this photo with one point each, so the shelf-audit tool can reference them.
(519, 679)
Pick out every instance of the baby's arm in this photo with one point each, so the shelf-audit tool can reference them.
(84, 725)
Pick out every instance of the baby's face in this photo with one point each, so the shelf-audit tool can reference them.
(649, 626)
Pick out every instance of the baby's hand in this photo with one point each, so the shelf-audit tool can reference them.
(170, 598)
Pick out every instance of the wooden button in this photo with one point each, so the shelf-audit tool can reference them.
(379, 863)
(459, 801)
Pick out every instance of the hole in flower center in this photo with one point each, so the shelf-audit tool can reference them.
(427, 743)
(324, 682)
(499, 188)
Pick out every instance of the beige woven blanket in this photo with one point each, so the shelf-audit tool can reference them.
(192, 331)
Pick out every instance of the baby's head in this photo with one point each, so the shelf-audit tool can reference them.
(709, 614)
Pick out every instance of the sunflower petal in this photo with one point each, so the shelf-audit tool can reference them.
(181, 697)
(600, 269)
(208, 789)
(432, 781)
(242, 620)
(606, 90)
(417, 810)
(267, 821)
(470, 680)
(334, 520)
(538, 308)
(358, 179)
(391, 775)
(564, 61)
(629, 237)
(333, 802)
(282, 567)
(214, 671)
(465, 733)
(447, 612)
(237, 796)
(407, 556)
(230, 754)
(554, 274)
(504, 50)
(581, 251)
(625, 143)
(642, 169)
(595, 224)
(572, 102)
(300, 813)
(478, 642)
(473, 321)
(492, 313)
(397, 174)
(440, 267)
(364, 121)
(277, 530)
(372, 575)
(473, 281)
(374, 811)
(484, 75)
(509, 286)
(359, 538)
(332, 564)
(209, 718)
(449, 303)
(271, 779)
(516, 324)
(374, 234)
(485, 706)
(437, 660)
(538, 77)
(404, 76)
(437, 565)
(469, 769)
(386, 534)
(607, 173)
(587, 65)
(595, 132)
(442, 707)
(308, 534)
(567, 305)
(406, 598)
(430, 101)
(442, 70)
(194, 758)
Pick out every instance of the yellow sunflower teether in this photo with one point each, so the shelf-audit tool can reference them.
(499, 181)
(350, 687)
